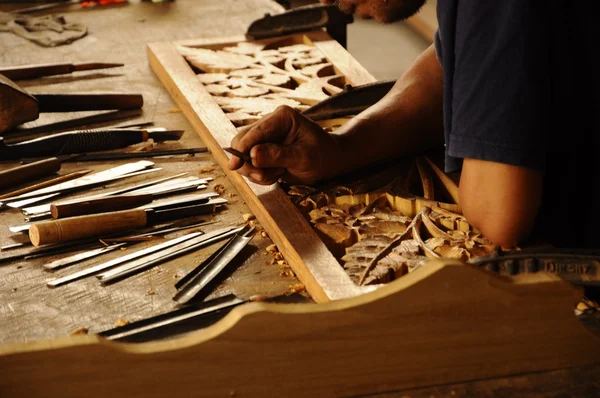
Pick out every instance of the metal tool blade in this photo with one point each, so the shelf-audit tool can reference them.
(69, 260)
(90, 179)
(295, 20)
(112, 263)
(160, 135)
(201, 276)
(351, 101)
(172, 319)
(144, 263)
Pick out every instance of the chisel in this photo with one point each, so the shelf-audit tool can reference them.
(79, 141)
(67, 229)
(28, 172)
(104, 205)
(23, 72)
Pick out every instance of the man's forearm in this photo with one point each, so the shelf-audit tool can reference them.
(406, 121)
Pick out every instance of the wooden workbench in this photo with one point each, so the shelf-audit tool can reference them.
(31, 311)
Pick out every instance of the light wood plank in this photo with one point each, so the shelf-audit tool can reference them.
(308, 256)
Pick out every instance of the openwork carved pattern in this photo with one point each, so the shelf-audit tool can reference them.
(380, 226)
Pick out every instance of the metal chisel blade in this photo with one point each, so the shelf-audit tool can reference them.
(69, 260)
(112, 263)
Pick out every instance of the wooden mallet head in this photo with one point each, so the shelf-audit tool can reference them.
(16, 105)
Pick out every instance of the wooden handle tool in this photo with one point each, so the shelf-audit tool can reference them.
(23, 72)
(98, 225)
(58, 231)
(100, 205)
(28, 172)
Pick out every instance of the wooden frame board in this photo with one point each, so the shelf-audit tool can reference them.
(421, 330)
(308, 256)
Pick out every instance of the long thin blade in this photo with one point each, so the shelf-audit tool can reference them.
(69, 260)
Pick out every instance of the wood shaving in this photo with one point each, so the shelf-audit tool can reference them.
(247, 217)
(297, 288)
(150, 292)
(220, 189)
(121, 322)
(206, 169)
(271, 248)
(79, 331)
(264, 234)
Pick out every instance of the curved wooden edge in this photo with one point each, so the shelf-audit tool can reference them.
(423, 329)
(307, 255)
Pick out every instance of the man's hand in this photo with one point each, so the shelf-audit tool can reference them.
(287, 145)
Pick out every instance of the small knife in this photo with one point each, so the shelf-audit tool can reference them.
(73, 228)
(34, 71)
(79, 141)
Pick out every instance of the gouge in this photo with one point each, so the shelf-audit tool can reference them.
(28, 172)
(74, 228)
(18, 106)
(79, 141)
(23, 72)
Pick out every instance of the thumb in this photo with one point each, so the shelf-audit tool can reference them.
(274, 155)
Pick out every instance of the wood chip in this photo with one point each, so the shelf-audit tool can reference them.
(220, 189)
(79, 331)
(297, 288)
(150, 292)
(248, 216)
(121, 322)
(271, 248)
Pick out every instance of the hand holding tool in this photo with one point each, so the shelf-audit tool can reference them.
(78, 141)
(18, 106)
(67, 229)
(245, 158)
(24, 72)
(28, 172)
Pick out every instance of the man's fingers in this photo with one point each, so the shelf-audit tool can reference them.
(272, 128)
(274, 155)
(234, 163)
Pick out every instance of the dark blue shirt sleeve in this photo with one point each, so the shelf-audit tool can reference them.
(499, 85)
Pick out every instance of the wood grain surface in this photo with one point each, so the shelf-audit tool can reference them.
(30, 310)
(421, 330)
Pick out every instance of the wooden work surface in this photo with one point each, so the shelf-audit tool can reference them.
(31, 311)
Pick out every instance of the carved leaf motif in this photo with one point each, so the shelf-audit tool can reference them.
(219, 61)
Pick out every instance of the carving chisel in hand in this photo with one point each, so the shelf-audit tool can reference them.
(73, 228)
(84, 141)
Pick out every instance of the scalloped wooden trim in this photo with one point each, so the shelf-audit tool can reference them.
(423, 329)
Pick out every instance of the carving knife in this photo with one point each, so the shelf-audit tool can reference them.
(79, 141)
(302, 19)
(67, 229)
(69, 260)
(180, 249)
(197, 280)
(24, 72)
(114, 203)
(28, 172)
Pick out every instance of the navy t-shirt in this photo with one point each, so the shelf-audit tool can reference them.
(521, 87)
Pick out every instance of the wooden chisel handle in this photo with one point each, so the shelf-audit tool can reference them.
(35, 71)
(100, 205)
(29, 172)
(74, 228)
(88, 102)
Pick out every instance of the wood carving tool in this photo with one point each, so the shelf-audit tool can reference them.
(176, 322)
(111, 174)
(63, 3)
(351, 101)
(112, 203)
(169, 187)
(98, 156)
(28, 172)
(85, 141)
(44, 184)
(76, 258)
(200, 277)
(245, 158)
(120, 260)
(67, 229)
(18, 106)
(180, 249)
(302, 19)
(23, 72)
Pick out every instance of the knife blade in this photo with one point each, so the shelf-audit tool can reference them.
(197, 280)
(78, 141)
(24, 72)
(67, 229)
(75, 258)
